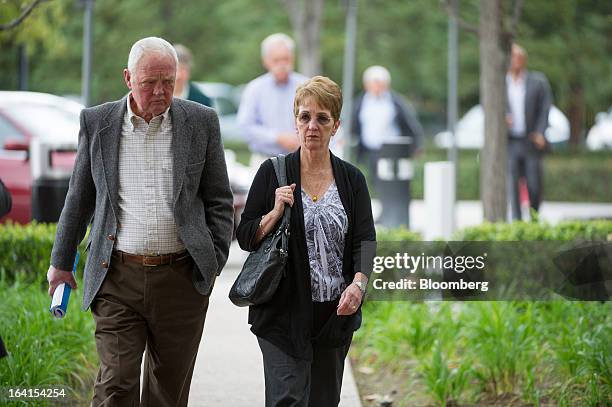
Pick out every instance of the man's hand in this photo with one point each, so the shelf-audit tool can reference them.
(288, 141)
(56, 276)
(539, 140)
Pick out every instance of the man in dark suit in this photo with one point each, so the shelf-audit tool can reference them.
(184, 88)
(529, 101)
(151, 171)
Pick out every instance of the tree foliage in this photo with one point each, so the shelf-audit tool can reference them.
(568, 40)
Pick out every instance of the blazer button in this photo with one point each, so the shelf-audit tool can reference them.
(105, 264)
(110, 237)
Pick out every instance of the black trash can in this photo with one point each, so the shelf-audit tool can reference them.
(49, 179)
(48, 196)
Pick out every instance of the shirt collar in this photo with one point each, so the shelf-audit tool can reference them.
(519, 79)
(383, 97)
(132, 115)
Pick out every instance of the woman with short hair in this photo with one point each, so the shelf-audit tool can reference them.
(305, 330)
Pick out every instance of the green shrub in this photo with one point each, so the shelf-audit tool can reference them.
(43, 351)
(25, 252)
(524, 352)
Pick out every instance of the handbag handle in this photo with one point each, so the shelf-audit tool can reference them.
(280, 169)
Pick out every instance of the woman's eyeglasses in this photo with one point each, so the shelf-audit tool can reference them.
(322, 119)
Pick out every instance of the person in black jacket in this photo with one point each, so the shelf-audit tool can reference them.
(184, 88)
(6, 202)
(380, 115)
(305, 330)
(5, 207)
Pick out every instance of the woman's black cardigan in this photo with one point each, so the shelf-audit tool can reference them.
(286, 320)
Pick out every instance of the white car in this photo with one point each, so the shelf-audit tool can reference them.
(470, 130)
(600, 135)
(225, 100)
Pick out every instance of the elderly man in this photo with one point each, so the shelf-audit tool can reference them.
(183, 87)
(529, 101)
(266, 108)
(381, 114)
(151, 171)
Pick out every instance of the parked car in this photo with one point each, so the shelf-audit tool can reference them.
(470, 130)
(599, 136)
(38, 142)
(225, 99)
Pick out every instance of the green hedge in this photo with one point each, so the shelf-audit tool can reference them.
(489, 353)
(43, 351)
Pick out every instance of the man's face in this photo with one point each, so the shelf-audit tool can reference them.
(518, 60)
(182, 75)
(152, 84)
(375, 87)
(279, 62)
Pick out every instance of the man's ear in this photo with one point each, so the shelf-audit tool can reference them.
(127, 77)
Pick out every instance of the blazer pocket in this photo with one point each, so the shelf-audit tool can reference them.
(195, 168)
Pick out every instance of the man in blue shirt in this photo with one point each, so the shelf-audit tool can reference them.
(266, 108)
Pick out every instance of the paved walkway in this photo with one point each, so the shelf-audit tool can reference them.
(469, 213)
(229, 370)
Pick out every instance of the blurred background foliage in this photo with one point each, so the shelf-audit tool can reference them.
(569, 40)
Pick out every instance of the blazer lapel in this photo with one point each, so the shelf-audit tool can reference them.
(110, 137)
(181, 142)
(528, 100)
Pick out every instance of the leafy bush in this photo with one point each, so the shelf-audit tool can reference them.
(495, 353)
(43, 351)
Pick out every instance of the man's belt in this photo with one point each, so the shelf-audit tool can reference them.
(151, 261)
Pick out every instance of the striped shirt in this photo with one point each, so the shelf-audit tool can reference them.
(146, 219)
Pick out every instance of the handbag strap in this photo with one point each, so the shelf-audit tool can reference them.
(280, 169)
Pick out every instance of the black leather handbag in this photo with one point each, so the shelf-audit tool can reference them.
(264, 268)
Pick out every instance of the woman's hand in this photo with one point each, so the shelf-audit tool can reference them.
(282, 196)
(350, 300)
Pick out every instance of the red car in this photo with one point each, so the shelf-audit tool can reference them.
(38, 140)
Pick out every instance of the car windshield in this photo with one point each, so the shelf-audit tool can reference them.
(50, 123)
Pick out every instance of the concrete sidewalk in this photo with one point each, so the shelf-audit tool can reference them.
(470, 213)
(229, 369)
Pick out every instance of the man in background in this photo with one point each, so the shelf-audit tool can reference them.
(529, 101)
(184, 88)
(381, 114)
(266, 108)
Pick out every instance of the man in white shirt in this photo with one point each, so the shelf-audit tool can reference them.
(150, 177)
(381, 114)
(529, 101)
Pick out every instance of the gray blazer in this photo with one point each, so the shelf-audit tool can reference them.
(538, 100)
(203, 203)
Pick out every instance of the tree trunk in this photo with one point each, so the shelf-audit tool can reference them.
(493, 157)
(306, 17)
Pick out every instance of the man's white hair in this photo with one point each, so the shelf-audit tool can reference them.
(149, 45)
(377, 73)
(274, 39)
